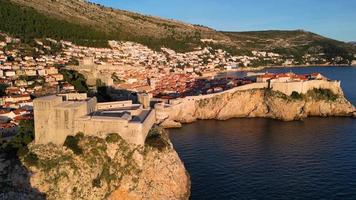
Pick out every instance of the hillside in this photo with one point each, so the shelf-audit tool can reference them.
(90, 24)
(297, 43)
(97, 22)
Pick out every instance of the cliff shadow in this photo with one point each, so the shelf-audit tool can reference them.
(15, 177)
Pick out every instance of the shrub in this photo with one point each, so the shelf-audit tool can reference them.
(31, 159)
(112, 138)
(3, 89)
(322, 94)
(157, 139)
(17, 146)
(71, 142)
(296, 96)
(76, 79)
(96, 182)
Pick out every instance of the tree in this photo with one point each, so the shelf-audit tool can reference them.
(18, 144)
(3, 89)
(76, 79)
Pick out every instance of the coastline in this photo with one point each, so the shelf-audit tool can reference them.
(256, 102)
(260, 68)
(290, 66)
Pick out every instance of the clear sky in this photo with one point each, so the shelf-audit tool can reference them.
(331, 18)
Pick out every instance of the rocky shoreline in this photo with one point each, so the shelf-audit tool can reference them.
(290, 66)
(262, 103)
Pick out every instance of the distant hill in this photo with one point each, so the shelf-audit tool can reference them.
(92, 25)
(297, 43)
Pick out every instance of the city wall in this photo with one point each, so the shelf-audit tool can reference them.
(230, 91)
(251, 103)
(304, 86)
(112, 105)
(287, 88)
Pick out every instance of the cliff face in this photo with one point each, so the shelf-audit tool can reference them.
(94, 168)
(255, 103)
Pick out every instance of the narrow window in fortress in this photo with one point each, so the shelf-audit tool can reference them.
(57, 118)
(66, 119)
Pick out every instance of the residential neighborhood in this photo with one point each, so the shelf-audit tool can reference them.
(27, 72)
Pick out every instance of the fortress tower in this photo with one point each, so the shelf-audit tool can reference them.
(55, 115)
(144, 99)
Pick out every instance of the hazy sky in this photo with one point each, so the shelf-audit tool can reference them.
(331, 18)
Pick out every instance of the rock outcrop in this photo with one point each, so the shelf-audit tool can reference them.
(255, 103)
(95, 168)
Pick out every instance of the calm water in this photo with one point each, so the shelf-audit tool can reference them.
(269, 159)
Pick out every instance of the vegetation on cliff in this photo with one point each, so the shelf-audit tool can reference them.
(17, 145)
(316, 94)
(87, 167)
(158, 139)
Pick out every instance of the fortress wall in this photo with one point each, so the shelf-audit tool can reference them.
(208, 96)
(64, 121)
(334, 86)
(288, 88)
(44, 118)
(91, 105)
(249, 87)
(148, 123)
(75, 96)
(305, 86)
(164, 111)
(111, 105)
(285, 87)
(100, 127)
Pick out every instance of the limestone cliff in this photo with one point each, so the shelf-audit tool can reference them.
(255, 103)
(94, 168)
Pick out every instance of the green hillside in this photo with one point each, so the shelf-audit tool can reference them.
(92, 25)
(297, 43)
(27, 23)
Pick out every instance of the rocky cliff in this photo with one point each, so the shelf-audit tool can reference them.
(94, 168)
(255, 103)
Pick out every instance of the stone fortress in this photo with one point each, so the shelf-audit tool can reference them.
(184, 109)
(58, 116)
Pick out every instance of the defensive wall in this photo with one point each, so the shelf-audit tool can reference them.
(287, 88)
(163, 110)
(303, 87)
(131, 130)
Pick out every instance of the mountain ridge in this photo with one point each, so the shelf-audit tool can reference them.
(156, 32)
